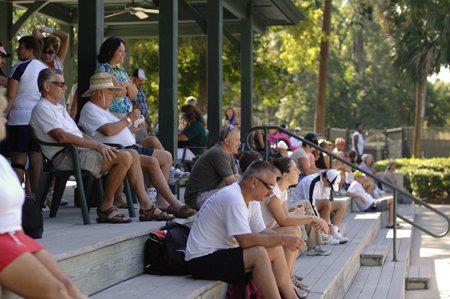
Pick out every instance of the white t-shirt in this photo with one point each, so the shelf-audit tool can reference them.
(295, 142)
(358, 189)
(11, 199)
(223, 216)
(269, 221)
(46, 117)
(93, 117)
(349, 177)
(360, 142)
(301, 191)
(28, 94)
(300, 153)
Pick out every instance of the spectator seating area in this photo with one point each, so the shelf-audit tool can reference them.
(108, 263)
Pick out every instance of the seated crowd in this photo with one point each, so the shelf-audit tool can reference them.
(249, 225)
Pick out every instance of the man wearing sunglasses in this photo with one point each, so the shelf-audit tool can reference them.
(215, 168)
(316, 188)
(228, 239)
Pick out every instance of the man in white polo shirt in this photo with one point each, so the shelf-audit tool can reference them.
(229, 239)
(52, 123)
(102, 125)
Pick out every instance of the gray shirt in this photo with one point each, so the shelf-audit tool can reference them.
(209, 172)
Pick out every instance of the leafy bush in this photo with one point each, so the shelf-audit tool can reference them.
(425, 178)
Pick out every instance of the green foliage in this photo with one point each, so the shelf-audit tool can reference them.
(426, 178)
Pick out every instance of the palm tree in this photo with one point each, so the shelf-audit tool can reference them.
(420, 32)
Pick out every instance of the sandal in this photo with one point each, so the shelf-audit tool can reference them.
(111, 215)
(122, 206)
(183, 212)
(154, 214)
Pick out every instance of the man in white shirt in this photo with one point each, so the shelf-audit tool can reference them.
(98, 122)
(316, 188)
(365, 202)
(358, 141)
(52, 123)
(229, 238)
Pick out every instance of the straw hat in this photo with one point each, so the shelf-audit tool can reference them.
(100, 80)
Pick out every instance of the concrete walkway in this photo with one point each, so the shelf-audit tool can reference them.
(432, 253)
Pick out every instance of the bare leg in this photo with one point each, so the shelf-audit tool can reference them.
(390, 204)
(257, 260)
(34, 170)
(281, 271)
(28, 278)
(49, 262)
(117, 168)
(153, 142)
(136, 179)
(290, 255)
(151, 167)
(338, 208)
(164, 159)
(324, 208)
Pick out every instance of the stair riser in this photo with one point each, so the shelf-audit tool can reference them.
(99, 269)
(372, 261)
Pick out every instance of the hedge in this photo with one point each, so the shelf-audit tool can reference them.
(425, 178)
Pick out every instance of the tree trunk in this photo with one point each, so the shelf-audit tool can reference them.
(418, 118)
(320, 114)
(203, 84)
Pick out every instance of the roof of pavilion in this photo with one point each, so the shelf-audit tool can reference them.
(192, 15)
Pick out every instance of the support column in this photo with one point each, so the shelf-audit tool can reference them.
(6, 10)
(68, 62)
(215, 45)
(168, 75)
(90, 38)
(247, 71)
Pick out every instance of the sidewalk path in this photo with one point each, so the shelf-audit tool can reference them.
(432, 253)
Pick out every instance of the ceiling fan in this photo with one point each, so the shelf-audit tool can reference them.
(140, 12)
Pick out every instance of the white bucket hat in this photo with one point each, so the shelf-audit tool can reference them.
(100, 80)
(334, 178)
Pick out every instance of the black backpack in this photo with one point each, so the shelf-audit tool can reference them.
(165, 250)
(32, 222)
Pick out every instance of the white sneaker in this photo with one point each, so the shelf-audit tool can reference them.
(151, 194)
(300, 293)
(340, 238)
(177, 175)
(330, 240)
(318, 250)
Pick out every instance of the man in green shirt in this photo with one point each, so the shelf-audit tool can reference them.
(214, 169)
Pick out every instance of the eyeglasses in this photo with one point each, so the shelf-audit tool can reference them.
(268, 186)
(49, 52)
(60, 84)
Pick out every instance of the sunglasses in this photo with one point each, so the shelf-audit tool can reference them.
(60, 84)
(49, 52)
(268, 186)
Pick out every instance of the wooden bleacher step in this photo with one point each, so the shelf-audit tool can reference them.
(418, 278)
(374, 255)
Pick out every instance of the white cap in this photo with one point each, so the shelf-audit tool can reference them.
(139, 73)
(334, 178)
(297, 129)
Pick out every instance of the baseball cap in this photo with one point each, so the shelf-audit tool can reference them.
(3, 51)
(139, 73)
(297, 129)
(311, 137)
(334, 178)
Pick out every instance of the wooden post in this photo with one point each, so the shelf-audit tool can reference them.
(320, 113)
(6, 10)
(168, 75)
(215, 73)
(247, 71)
(417, 119)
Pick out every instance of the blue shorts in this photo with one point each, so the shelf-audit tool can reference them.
(146, 151)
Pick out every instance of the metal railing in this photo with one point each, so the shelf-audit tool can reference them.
(396, 190)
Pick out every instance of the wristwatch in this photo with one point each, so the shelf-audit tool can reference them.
(128, 119)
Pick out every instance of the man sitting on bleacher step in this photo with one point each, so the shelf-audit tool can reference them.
(317, 189)
(228, 239)
(365, 202)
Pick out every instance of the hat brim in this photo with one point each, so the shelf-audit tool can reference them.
(89, 91)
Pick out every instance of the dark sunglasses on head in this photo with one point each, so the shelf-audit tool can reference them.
(268, 186)
(49, 52)
(60, 84)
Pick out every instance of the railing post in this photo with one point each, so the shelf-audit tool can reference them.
(386, 144)
(394, 221)
(266, 145)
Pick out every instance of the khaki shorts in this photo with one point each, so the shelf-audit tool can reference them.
(90, 160)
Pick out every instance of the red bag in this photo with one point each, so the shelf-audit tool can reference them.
(243, 291)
